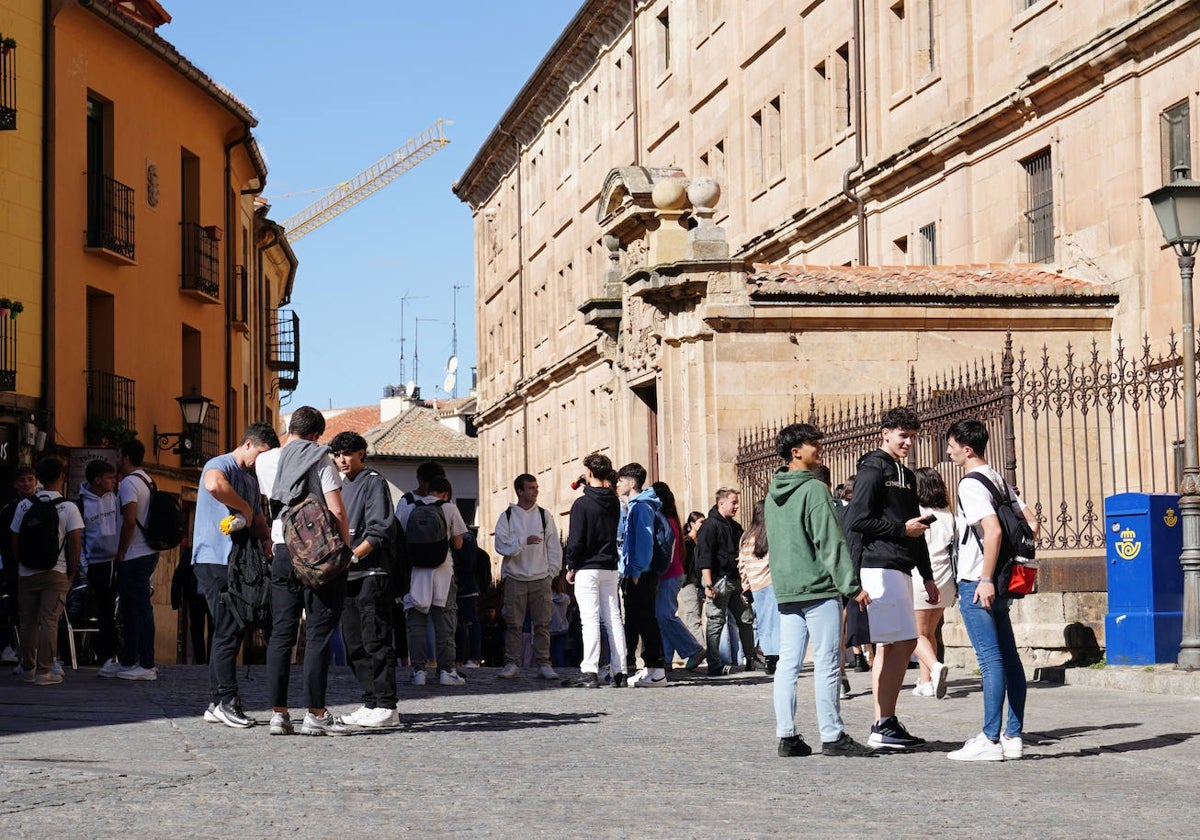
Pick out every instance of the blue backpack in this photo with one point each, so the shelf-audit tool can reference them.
(664, 543)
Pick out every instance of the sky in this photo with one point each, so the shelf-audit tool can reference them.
(336, 87)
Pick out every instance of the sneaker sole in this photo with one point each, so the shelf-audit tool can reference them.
(231, 723)
(939, 685)
(279, 730)
(650, 683)
(878, 744)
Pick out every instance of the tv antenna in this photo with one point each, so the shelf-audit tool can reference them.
(405, 298)
(416, 347)
(450, 384)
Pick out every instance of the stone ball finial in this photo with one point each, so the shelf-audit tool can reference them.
(670, 193)
(704, 193)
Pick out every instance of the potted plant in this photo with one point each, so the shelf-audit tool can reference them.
(7, 45)
(214, 232)
(5, 306)
(16, 309)
(108, 431)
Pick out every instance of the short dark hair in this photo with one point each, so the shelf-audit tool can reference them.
(901, 417)
(49, 470)
(795, 435)
(635, 471)
(24, 469)
(970, 433)
(430, 470)
(306, 421)
(440, 484)
(261, 434)
(134, 450)
(931, 489)
(520, 481)
(96, 468)
(822, 474)
(348, 442)
(599, 466)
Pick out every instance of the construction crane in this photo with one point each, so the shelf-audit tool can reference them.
(371, 179)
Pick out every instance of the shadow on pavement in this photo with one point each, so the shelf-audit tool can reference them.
(493, 721)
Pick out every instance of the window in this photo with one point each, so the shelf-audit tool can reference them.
(1176, 143)
(712, 162)
(900, 250)
(766, 159)
(563, 143)
(927, 244)
(590, 119)
(624, 86)
(898, 48)
(1039, 207)
(536, 184)
(109, 202)
(841, 81)
(820, 106)
(664, 41)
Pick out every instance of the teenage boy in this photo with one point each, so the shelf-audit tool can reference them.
(635, 551)
(135, 565)
(367, 609)
(532, 557)
(228, 486)
(810, 570)
(884, 513)
(25, 484)
(717, 545)
(983, 614)
(101, 534)
(44, 581)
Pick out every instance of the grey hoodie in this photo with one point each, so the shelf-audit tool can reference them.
(101, 526)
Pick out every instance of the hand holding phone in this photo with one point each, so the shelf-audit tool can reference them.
(928, 520)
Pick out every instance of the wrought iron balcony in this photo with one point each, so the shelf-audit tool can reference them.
(8, 352)
(208, 441)
(283, 351)
(8, 85)
(239, 299)
(201, 274)
(110, 409)
(109, 215)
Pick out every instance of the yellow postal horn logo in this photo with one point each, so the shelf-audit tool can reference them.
(1128, 547)
(1170, 519)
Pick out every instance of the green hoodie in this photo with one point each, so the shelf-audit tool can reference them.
(809, 558)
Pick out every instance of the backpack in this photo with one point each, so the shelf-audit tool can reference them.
(247, 590)
(426, 535)
(314, 542)
(1014, 575)
(164, 528)
(38, 537)
(664, 543)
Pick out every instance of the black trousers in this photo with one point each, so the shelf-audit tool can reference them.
(641, 623)
(367, 632)
(102, 583)
(322, 608)
(226, 636)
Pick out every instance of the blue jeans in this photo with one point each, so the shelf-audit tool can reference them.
(675, 635)
(766, 620)
(137, 613)
(822, 621)
(991, 635)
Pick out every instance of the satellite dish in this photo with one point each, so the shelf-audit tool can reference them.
(448, 382)
(410, 389)
(452, 364)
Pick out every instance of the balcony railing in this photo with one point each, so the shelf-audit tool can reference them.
(239, 298)
(208, 441)
(201, 267)
(283, 351)
(8, 87)
(110, 408)
(110, 215)
(8, 352)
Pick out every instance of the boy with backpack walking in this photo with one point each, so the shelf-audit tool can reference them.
(642, 548)
(984, 613)
(48, 532)
(532, 557)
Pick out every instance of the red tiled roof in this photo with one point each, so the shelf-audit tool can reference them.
(359, 418)
(417, 433)
(924, 282)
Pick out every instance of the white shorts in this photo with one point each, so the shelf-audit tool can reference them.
(891, 609)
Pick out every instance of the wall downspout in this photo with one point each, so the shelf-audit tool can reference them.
(520, 303)
(633, 52)
(860, 212)
(230, 225)
(48, 229)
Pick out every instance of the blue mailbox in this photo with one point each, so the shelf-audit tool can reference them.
(1144, 624)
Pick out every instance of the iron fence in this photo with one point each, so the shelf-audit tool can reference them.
(110, 407)
(8, 86)
(8, 352)
(110, 215)
(283, 347)
(1066, 432)
(200, 270)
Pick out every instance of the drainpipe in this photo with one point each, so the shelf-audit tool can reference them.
(633, 52)
(48, 229)
(231, 226)
(860, 212)
(520, 303)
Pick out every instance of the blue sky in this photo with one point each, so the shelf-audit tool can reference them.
(335, 87)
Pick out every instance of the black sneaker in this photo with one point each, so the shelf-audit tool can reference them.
(584, 680)
(847, 747)
(620, 681)
(772, 663)
(860, 663)
(230, 713)
(722, 671)
(792, 747)
(890, 734)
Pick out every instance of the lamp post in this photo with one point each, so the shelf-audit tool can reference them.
(1177, 207)
(194, 408)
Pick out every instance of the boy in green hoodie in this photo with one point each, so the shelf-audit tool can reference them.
(810, 569)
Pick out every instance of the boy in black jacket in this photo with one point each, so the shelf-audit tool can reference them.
(884, 514)
(367, 609)
(717, 546)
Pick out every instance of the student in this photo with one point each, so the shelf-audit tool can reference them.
(101, 533)
(25, 484)
(135, 565)
(635, 553)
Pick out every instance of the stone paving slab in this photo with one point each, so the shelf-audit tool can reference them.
(529, 759)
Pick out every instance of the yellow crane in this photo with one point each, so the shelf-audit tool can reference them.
(371, 179)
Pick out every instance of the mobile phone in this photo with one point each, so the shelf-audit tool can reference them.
(928, 520)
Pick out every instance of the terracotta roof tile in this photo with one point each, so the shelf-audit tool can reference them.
(923, 282)
(359, 418)
(417, 434)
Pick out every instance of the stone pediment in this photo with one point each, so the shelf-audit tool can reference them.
(627, 195)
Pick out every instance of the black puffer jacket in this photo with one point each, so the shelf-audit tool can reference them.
(592, 539)
(885, 497)
(717, 545)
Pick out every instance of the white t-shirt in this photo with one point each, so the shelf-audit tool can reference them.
(69, 519)
(134, 489)
(266, 467)
(975, 504)
(432, 586)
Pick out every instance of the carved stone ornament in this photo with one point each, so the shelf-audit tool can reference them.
(641, 331)
(635, 255)
(151, 183)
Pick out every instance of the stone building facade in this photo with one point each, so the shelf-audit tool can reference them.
(697, 216)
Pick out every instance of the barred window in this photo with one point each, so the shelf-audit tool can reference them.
(1176, 143)
(1039, 207)
(927, 244)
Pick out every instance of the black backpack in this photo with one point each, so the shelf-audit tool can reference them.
(247, 591)
(37, 538)
(425, 534)
(1017, 543)
(164, 528)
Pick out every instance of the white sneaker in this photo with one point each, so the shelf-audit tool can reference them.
(137, 672)
(210, 714)
(281, 724)
(510, 671)
(418, 677)
(9, 656)
(937, 676)
(21, 674)
(378, 718)
(470, 663)
(978, 748)
(1013, 748)
(56, 668)
(648, 678)
(545, 672)
(109, 669)
(451, 678)
(323, 725)
(923, 690)
(355, 718)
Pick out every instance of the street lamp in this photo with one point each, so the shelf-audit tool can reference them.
(1177, 206)
(194, 407)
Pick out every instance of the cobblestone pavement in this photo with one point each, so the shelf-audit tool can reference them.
(105, 758)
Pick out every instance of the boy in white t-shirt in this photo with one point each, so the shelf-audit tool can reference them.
(984, 615)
